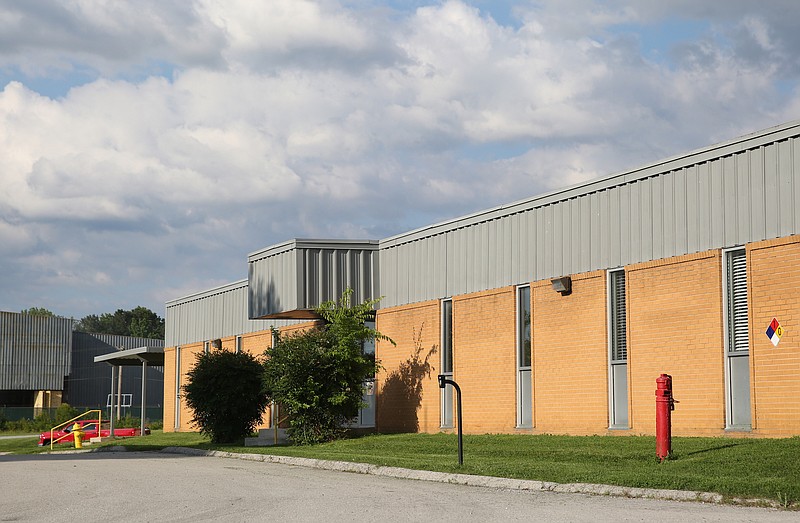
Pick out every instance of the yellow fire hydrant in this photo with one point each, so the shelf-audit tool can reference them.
(77, 435)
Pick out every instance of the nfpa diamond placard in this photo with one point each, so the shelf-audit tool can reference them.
(774, 331)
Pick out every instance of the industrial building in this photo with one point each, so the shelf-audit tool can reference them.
(556, 314)
(44, 363)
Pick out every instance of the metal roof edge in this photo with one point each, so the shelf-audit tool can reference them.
(208, 292)
(310, 243)
(748, 141)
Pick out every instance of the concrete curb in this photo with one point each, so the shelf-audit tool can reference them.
(476, 481)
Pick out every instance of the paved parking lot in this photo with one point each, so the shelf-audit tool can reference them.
(167, 487)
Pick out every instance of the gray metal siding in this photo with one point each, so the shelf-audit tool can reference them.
(301, 274)
(327, 272)
(35, 351)
(749, 191)
(89, 383)
(217, 313)
(273, 283)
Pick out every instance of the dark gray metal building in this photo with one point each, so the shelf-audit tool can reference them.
(35, 356)
(89, 383)
(44, 363)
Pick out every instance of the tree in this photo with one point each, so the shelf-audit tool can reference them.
(318, 375)
(225, 393)
(140, 322)
(38, 311)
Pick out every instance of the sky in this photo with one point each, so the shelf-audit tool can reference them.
(147, 147)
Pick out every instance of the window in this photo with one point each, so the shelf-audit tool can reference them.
(619, 336)
(447, 363)
(177, 388)
(524, 360)
(206, 347)
(737, 341)
(617, 351)
(738, 332)
(238, 344)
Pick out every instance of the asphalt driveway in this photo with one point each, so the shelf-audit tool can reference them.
(131, 486)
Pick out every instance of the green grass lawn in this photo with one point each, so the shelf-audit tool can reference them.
(744, 467)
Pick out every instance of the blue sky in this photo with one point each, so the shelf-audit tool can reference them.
(147, 147)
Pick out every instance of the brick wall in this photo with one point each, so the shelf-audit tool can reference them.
(407, 388)
(169, 389)
(254, 343)
(570, 356)
(188, 358)
(675, 326)
(484, 359)
(774, 292)
(484, 364)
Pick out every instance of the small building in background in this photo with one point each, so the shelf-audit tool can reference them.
(44, 363)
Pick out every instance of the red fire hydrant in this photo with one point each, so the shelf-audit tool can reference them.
(665, 403)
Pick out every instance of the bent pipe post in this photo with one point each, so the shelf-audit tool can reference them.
(442, 382)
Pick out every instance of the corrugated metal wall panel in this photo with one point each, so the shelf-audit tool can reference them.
(277, 281)
(796, 181)
(218, 313)
(788, 205)
(301, 274)
(89, 383)
(35, 351)
(771, 190)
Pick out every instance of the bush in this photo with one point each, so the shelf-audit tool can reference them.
(127, 422)
(225, 392)
(317, 376)
(65, 412)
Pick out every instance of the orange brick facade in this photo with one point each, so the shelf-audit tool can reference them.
(570, 375)
(484, 358)
(407, 388)
(254, 343)
(774, 291)
(675, 324)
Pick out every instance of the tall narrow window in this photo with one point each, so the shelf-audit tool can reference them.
(737, 343)
(524, 361)
(206, 347)
(366, 415)
(447, 363)
(618, 351)
(238, 344)
(177, 388)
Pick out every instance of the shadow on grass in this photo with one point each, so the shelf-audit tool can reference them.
(712, 449)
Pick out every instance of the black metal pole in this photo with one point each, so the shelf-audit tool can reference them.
(460, 428)
(442, 382)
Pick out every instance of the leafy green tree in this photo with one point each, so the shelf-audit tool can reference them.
(145, 323)
(140, 322)
(225, 392)
(318, 375)
(38, 311)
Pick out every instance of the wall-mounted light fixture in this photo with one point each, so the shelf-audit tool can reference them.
(562, 285)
